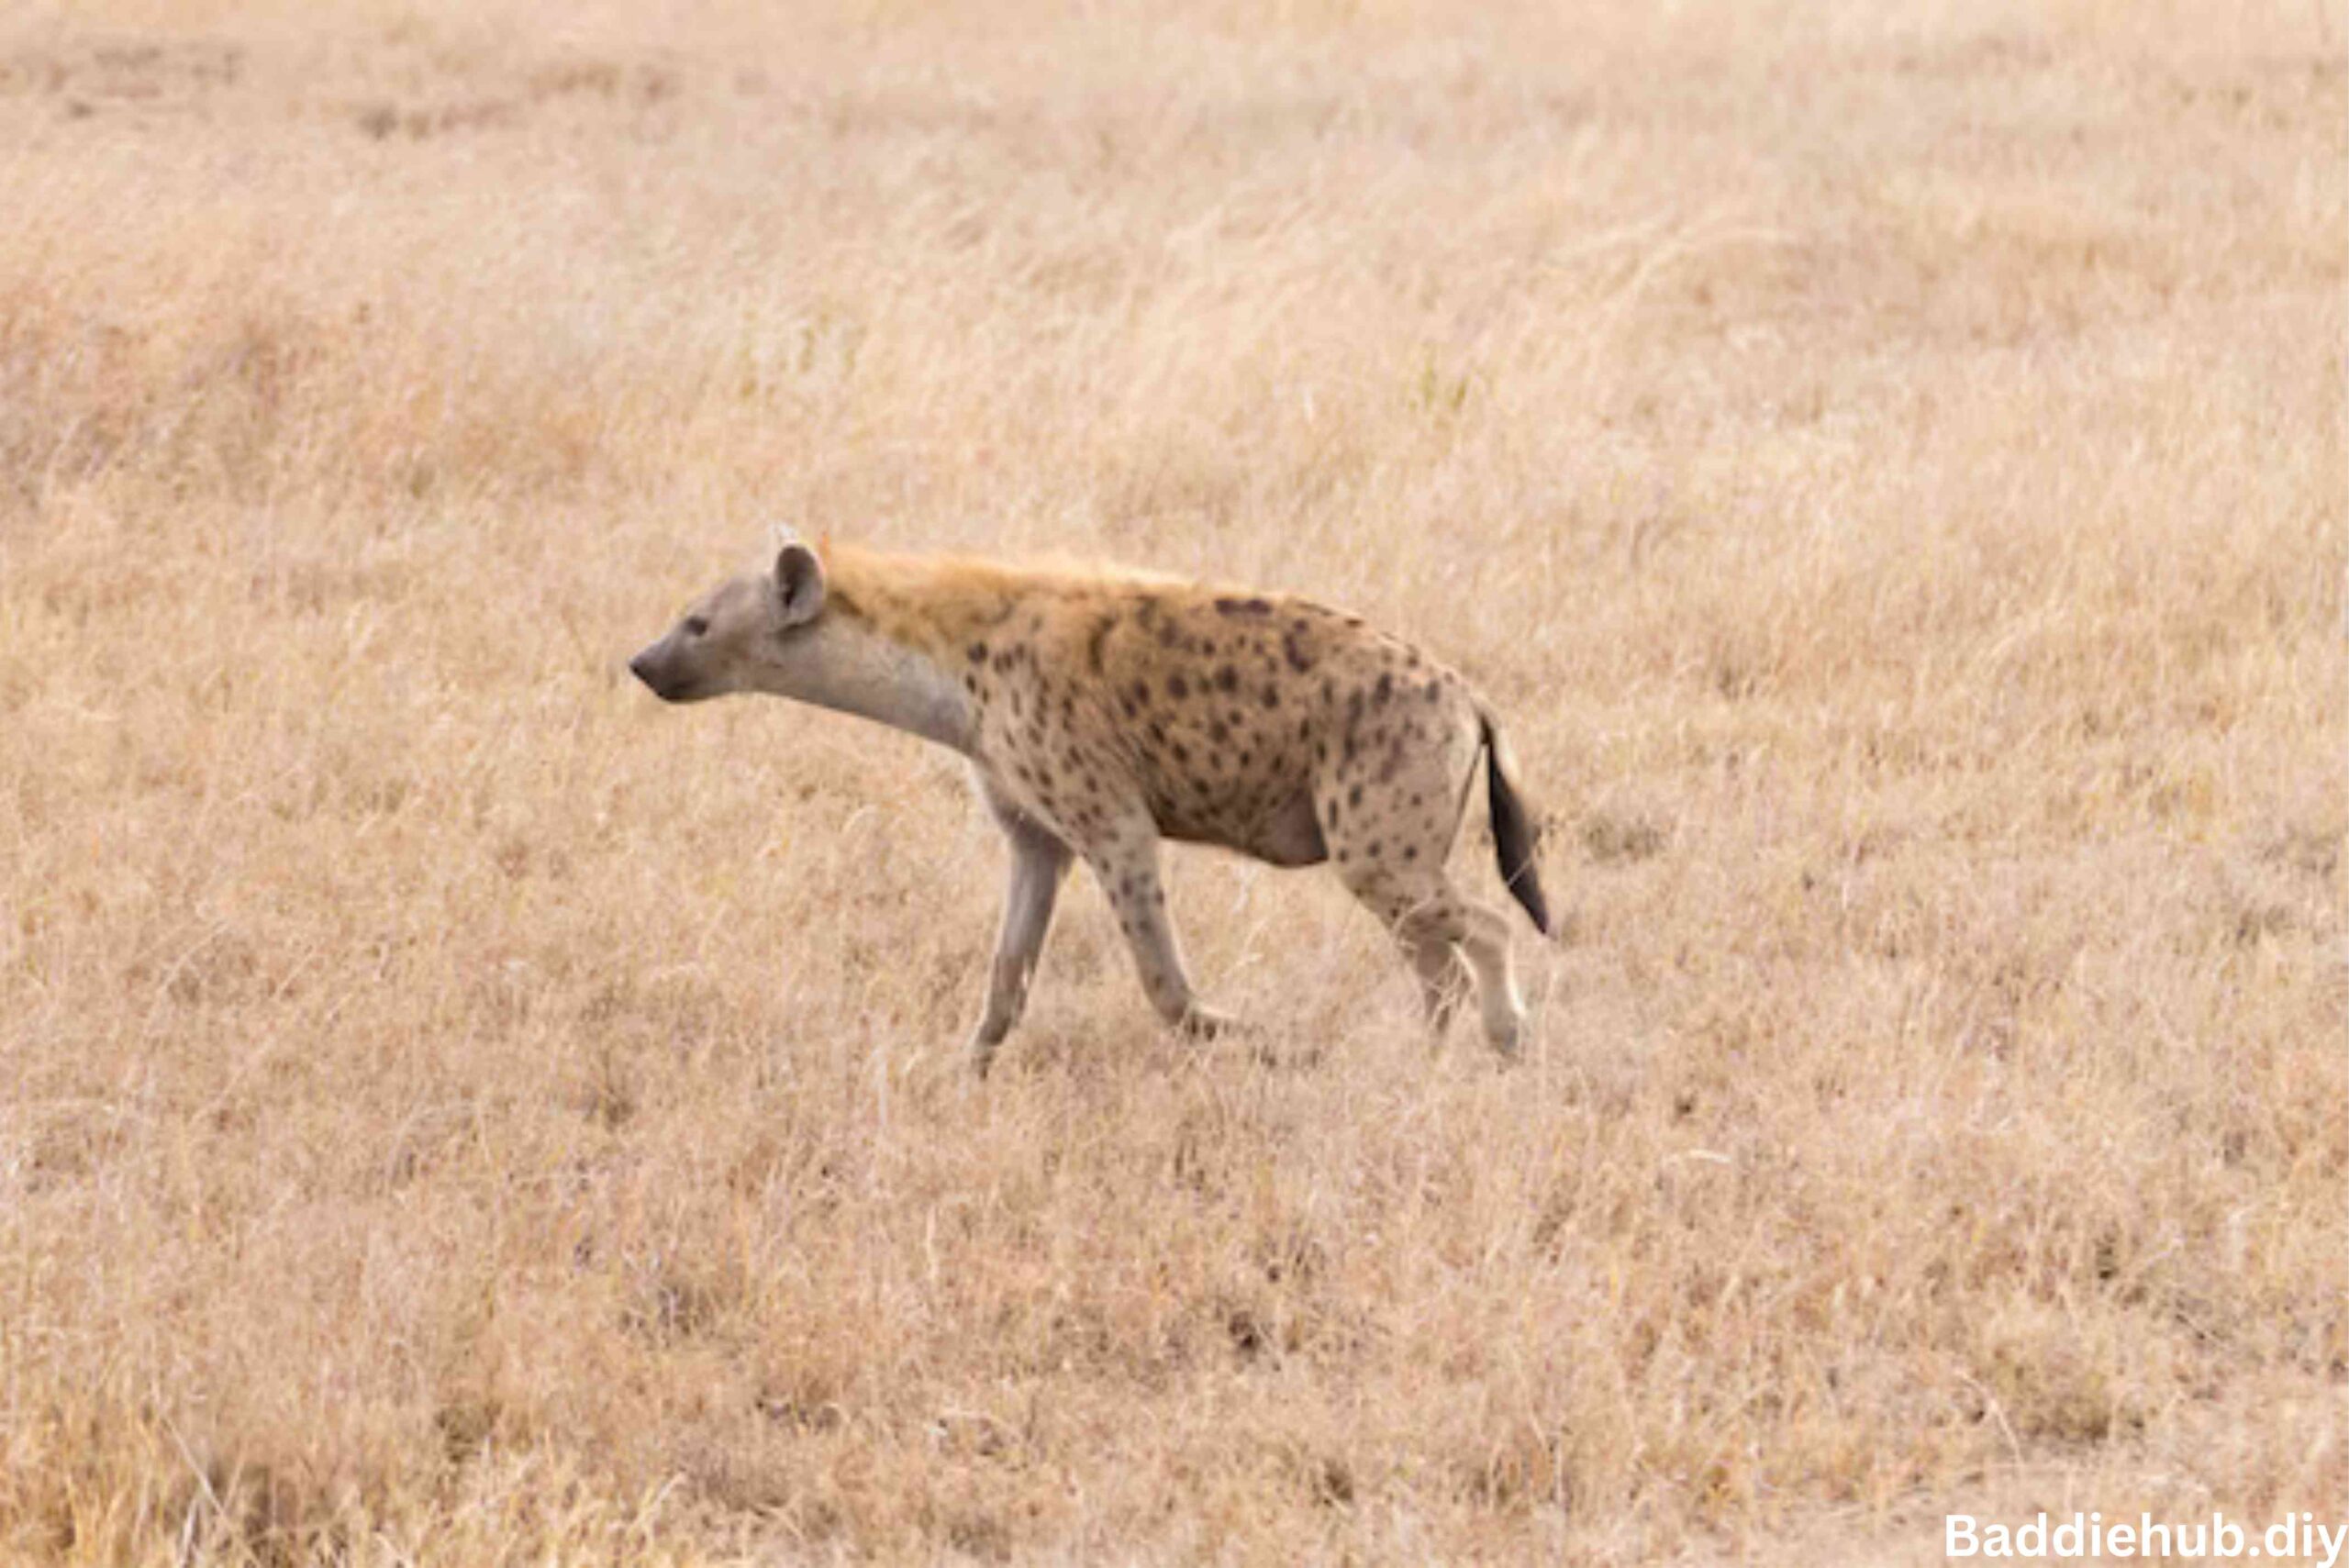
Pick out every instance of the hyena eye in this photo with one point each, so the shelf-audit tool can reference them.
(696, 626)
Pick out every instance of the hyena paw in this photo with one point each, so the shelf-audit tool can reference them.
(1507, 1037)
(981, 1053)
(1202, 1022)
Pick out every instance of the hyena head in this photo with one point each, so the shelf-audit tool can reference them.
(744, 635)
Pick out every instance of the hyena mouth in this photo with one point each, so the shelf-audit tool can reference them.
(665, 686)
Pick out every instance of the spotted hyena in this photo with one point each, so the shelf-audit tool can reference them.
(1104, 712)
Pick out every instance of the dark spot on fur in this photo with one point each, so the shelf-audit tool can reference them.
(1243, 608)
(1141, 691)
(1411, 851)
(1177, 687)
(1435, 690)
(977, 652)
(1385, 689)
(1180, 752)
(1272, 697)
(1218, 732)
(1375, 845)
(1227, 679)
(1093, 646)
(1294, 650)
(1353, 796)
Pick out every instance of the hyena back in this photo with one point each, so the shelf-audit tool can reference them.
(1102, 712)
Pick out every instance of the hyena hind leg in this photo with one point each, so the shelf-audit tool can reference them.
(1431, 922)
(1444, 979)
(1486, 941)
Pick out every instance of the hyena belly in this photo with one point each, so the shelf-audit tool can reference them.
(1216, 710)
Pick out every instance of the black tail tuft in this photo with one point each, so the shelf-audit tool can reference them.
(1514, 836)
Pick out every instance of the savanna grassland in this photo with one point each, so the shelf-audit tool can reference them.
(1885, 462)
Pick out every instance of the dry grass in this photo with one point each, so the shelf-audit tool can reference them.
(1887, 464)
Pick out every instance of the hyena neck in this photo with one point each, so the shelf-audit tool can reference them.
(943, 615)
(842, 663)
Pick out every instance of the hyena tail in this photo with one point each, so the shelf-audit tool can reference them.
(1515, 837)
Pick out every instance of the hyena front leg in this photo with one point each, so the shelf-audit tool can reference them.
(1127, 864)
(1039, 861)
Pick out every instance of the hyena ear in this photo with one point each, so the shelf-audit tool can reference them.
(798, 583)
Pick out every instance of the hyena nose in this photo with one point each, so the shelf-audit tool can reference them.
(642, 668)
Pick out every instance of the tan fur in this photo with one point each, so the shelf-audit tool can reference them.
(1104, 711)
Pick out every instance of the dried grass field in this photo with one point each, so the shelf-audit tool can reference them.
(1887, 463)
